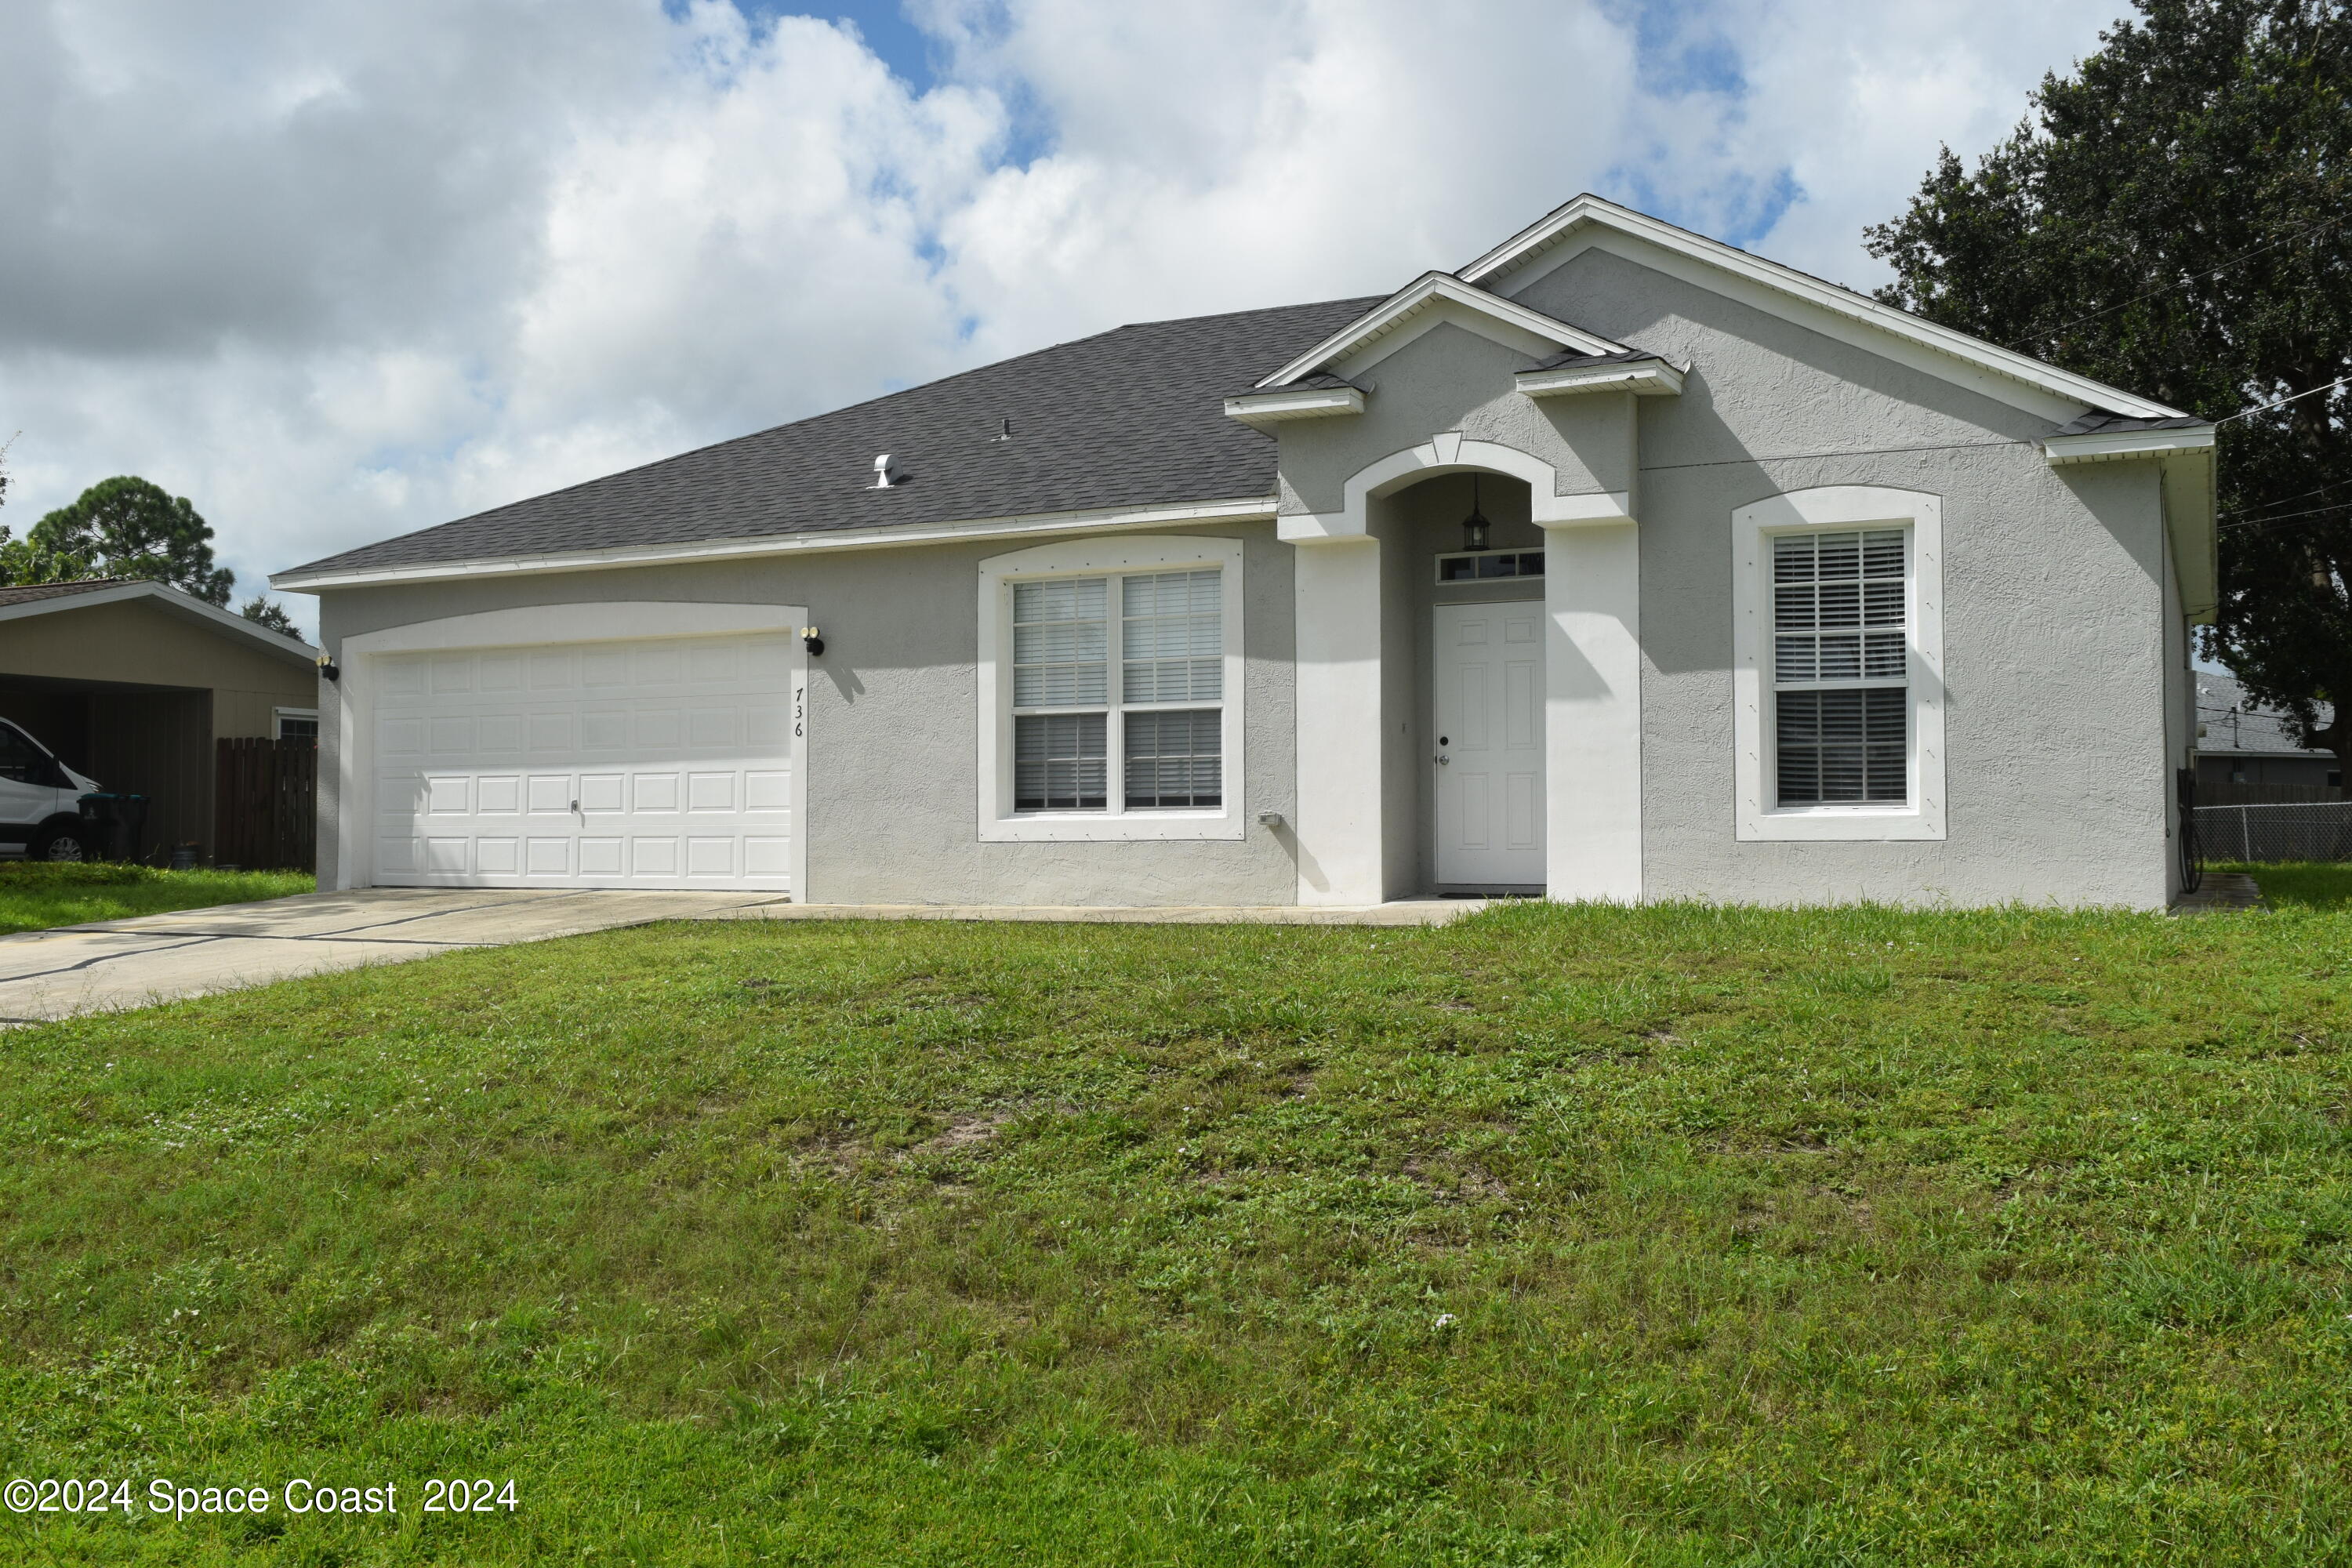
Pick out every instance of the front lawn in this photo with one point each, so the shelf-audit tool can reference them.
(1674, 1236)
(36, 895)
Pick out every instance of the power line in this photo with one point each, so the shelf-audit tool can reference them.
(2280, 403)
(2266, 522)
(2199, 277)
(1852, 452)
(2289, 500)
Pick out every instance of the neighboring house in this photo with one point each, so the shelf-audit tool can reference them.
(133, 683)
(2239, 742)
(1785, 596)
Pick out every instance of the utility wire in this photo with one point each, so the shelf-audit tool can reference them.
(2199, 277)
(2266, 522)
(2287, 500)
(2280, 403)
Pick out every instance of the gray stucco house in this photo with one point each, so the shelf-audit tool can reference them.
(2241, 743)
(1616, 563)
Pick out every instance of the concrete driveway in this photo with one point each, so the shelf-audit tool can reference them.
(47, 974)
(109, 965)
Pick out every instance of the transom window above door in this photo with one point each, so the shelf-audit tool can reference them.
(1110, 694)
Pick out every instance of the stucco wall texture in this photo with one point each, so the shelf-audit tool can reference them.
(2054, 619)
(2065, 666)
(892, 751)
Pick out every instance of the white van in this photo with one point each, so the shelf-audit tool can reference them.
(41, 799)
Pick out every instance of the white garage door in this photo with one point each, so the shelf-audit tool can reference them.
(658, 762)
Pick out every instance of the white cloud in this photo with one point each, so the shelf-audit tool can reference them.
(336, 269)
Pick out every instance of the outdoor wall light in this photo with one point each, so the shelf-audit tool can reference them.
(327, 666)
(811, 641)
(1474, 527)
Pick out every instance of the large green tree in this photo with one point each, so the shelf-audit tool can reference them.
(2173, 218)
(20, 560)
(126, 527)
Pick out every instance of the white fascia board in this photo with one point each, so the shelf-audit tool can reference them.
(2191, 524)
(1391, 313)
(211, 616)
(1653, 378)
(2104, 447)
(1262, 408)
(1248, 509)
(1547, 242)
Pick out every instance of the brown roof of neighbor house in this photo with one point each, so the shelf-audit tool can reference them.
(31, 592)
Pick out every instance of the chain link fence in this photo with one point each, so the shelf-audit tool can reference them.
(2306, 830)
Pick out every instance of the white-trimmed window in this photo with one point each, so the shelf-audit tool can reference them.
(1111, 700)
(294, 723)
(1838, 667)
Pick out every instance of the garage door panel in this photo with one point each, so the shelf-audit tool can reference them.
(541, 764)
(710, 792)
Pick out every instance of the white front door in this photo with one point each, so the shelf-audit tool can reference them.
(649, 763)
(1490, 744)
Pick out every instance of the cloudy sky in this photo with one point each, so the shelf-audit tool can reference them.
(335, 269)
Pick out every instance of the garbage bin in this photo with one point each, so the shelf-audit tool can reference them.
(112, 824)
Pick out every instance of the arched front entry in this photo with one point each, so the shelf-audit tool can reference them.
(1390, 668)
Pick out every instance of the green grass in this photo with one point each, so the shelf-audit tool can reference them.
(37, 895)
(1674, 1236)
(2305, 885)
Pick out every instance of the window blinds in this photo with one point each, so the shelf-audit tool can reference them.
(1840, 664)
(1170, 651)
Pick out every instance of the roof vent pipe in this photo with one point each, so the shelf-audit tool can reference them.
(883, 478)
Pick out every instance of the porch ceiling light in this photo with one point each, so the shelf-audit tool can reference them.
(1474, 527)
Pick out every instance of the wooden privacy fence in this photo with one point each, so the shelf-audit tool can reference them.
(265, 805)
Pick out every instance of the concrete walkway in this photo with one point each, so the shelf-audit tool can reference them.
(110, 965)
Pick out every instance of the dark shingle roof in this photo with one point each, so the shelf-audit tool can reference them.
(33, 593)
(2099, 422)
(1130, 418)
(2230, 721)
(1574, 360)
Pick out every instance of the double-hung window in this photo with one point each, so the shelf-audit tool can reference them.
(1114, 716)
(1129, 667)
(1839, 665)
(1841, 649)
